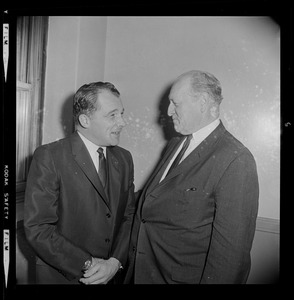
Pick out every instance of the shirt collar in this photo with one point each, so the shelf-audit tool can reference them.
(92, 148)
(204, 132)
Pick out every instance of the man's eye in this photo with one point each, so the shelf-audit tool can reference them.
(173, 103)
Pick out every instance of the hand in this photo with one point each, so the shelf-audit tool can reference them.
(101, 271)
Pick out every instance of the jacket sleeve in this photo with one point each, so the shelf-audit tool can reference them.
(236, 200)
(120, 246)
(41, 217)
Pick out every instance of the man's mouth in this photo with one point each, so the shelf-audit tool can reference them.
(117, 133)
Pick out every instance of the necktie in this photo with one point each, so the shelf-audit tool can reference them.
(102, 166)
(181, 153)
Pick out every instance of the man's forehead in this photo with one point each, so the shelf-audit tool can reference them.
(110, 102)
(182, 84)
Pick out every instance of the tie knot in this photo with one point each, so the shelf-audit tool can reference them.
(100, 151)
(189, 137)
(187, 141)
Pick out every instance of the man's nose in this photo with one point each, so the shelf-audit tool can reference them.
(121, 122)
(170, 109)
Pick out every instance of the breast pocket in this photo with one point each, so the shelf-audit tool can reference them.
(194, 206)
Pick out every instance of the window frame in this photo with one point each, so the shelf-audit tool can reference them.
(32, 36)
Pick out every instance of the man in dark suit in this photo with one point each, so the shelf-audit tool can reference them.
(79, 201)
(196, 217)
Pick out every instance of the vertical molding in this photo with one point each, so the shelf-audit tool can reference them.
(77, 52)
(31, 55)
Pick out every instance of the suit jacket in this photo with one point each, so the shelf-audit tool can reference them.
(197, 225)
(68, 217)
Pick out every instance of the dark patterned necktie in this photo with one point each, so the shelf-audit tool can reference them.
(181, 153)
(102, 166)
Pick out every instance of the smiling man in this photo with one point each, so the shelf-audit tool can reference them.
(79, 200)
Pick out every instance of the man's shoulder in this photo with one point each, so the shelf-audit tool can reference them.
(54, 146)
(120, 151)
(233, 147)
(232, 142)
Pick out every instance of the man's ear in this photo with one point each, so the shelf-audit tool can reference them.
(84, 120)
(214, 111)
(204, 102)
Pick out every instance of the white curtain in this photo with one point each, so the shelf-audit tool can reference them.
(31, 62)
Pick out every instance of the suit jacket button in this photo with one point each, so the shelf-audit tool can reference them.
(107, 240)
(134, 248)
(143, 221)
(108, 215)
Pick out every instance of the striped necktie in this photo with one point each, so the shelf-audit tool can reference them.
(181, 153)
(102, 173)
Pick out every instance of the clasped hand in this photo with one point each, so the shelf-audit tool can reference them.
(101, 271)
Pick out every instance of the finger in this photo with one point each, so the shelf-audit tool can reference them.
(92, 270)
(93, 278)
(101, 281)
(92, 281)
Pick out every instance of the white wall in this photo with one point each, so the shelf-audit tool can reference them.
(143, 56)
(75, 56)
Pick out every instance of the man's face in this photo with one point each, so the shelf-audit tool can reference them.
(107, 121)
(184, 108)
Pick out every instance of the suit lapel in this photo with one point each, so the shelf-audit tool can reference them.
(83, 159)
(203, 149)
(159, 170)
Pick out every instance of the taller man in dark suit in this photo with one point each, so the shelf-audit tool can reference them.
(196, 217)
(79, 201)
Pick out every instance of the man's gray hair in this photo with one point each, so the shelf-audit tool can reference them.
(204, 82)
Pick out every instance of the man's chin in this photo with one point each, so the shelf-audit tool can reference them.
(177, 128)
(114, 140)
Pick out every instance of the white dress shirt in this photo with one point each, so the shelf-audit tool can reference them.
(197, 137)
(92, 148)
